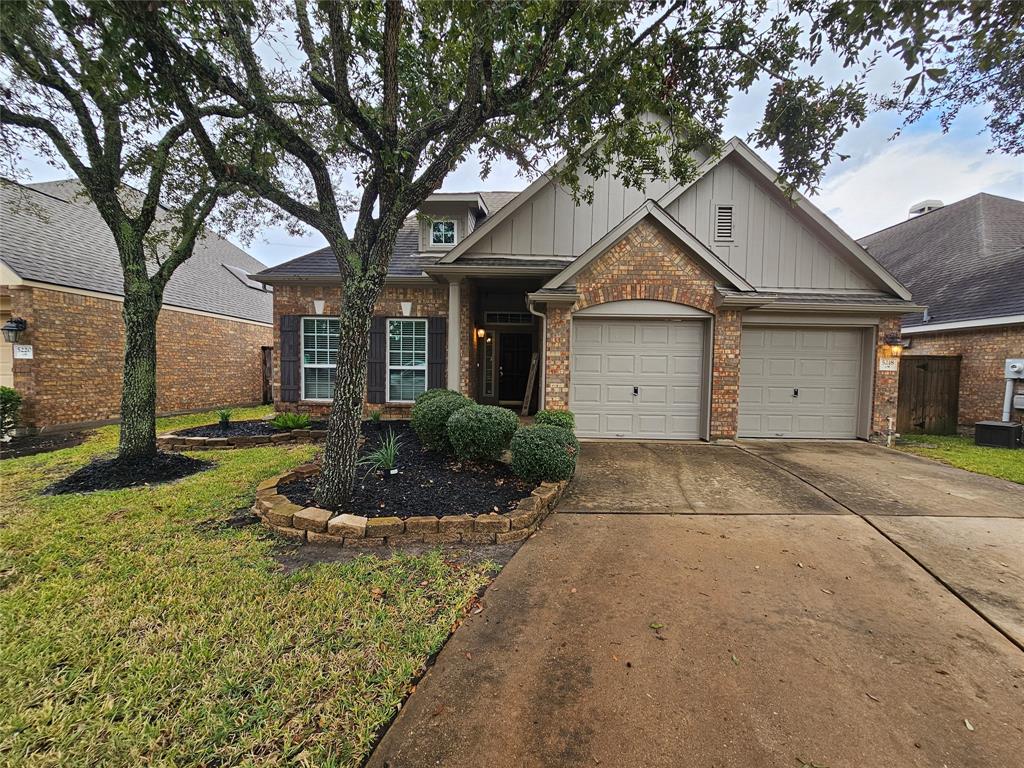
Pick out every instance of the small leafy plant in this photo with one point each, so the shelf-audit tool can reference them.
(10, 404)
(290, 421)
(563, 419)
(375, 416)
(224, 418)
(385, 456)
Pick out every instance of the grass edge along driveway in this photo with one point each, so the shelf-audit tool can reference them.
(961, 452)
(131, 633)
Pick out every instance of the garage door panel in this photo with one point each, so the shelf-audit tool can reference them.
(662, 359)
(620, 363)
(822, 364)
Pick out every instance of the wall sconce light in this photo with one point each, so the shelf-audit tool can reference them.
(893, 344)
(480, 333)
(13, 329)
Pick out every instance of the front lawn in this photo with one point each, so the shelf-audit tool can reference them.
(136, 629)
(963, 453)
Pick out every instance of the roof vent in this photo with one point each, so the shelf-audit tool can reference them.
(926, 206)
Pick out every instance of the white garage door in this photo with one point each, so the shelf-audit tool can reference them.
(800, 382)
(637, 378)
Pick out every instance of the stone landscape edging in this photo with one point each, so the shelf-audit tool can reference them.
(174, 442)
(321, 526)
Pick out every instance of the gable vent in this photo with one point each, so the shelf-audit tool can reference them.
(723, 222)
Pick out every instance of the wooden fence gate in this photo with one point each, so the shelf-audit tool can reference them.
(268, 375)
(929, 395)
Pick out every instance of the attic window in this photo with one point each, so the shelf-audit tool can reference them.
(442, 232)
(723, 223)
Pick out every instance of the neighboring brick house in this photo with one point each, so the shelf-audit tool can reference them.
(965, 262)
(59, 271)
(707, 310)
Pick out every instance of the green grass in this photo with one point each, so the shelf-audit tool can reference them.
(132, 635)
(963, 453)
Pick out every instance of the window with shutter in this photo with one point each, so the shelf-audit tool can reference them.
(723, 223)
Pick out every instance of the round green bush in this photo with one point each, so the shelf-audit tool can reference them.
(430, 394)
(544, 452)
(481, 431)
(563, 419)
(430, 419)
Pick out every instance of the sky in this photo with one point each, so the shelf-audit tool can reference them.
(873, 189)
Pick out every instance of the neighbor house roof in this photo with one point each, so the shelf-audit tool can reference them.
(964, 261)
(406, 260)
(51, 233)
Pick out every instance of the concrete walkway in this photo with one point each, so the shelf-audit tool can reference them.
(770, 622)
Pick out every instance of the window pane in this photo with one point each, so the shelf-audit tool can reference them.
(318, 384)
(442, 233)
(406, 385)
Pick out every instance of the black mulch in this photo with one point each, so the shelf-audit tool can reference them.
(427, 483)
(248, 428)
(42, 443)
(111, 474)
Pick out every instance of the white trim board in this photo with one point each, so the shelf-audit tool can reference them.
(987, 322)
(677, 230)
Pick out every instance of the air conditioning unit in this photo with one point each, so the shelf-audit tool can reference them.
(997, 434)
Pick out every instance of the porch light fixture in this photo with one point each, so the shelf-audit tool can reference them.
(13, 329)
(893, 344)
(480, 333)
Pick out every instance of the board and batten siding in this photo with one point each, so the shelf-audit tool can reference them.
(772, 247)
(551, 224)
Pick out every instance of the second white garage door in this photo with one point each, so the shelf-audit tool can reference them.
(800, 382)
(637, 378)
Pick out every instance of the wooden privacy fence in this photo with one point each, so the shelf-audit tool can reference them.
(929, 395)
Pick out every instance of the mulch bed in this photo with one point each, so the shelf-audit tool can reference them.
(249, 428)
(111, 474)
(42, 443)
(427, 483)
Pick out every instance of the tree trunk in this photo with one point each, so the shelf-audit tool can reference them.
(138, 394)
(338, 464)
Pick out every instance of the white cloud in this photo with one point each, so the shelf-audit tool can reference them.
(879, 191)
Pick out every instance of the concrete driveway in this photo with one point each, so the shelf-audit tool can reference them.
(785, 607)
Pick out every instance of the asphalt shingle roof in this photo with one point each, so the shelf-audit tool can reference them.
(964, 261)
(406, 261)
(52, 234)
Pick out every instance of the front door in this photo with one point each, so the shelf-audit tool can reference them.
(514, 352)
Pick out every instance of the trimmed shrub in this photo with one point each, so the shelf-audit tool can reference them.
(544, 452)
(430, 394)
(430, 419)
(481, 431)
(287, 420)
(10, 404)
(563, 419)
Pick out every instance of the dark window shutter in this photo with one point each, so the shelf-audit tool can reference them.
(376, 363)
(291, 374)
(437, 337)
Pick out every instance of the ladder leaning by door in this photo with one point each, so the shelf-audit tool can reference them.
(529, 385)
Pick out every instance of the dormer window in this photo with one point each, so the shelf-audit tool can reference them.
(442, 232)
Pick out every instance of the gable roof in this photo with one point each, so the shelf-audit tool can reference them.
(678, 231)
(406, 260)
(965, 261)
(53, 234)
(735, 147)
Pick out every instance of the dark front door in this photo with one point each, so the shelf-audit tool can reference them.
(514, 351)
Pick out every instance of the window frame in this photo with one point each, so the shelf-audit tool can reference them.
(387, 357)
(302, 358)
(455, 233)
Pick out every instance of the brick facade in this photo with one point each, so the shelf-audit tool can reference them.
(885, 384)
(983, 353)
(427, 301)
(74, 377)
(648, 264)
